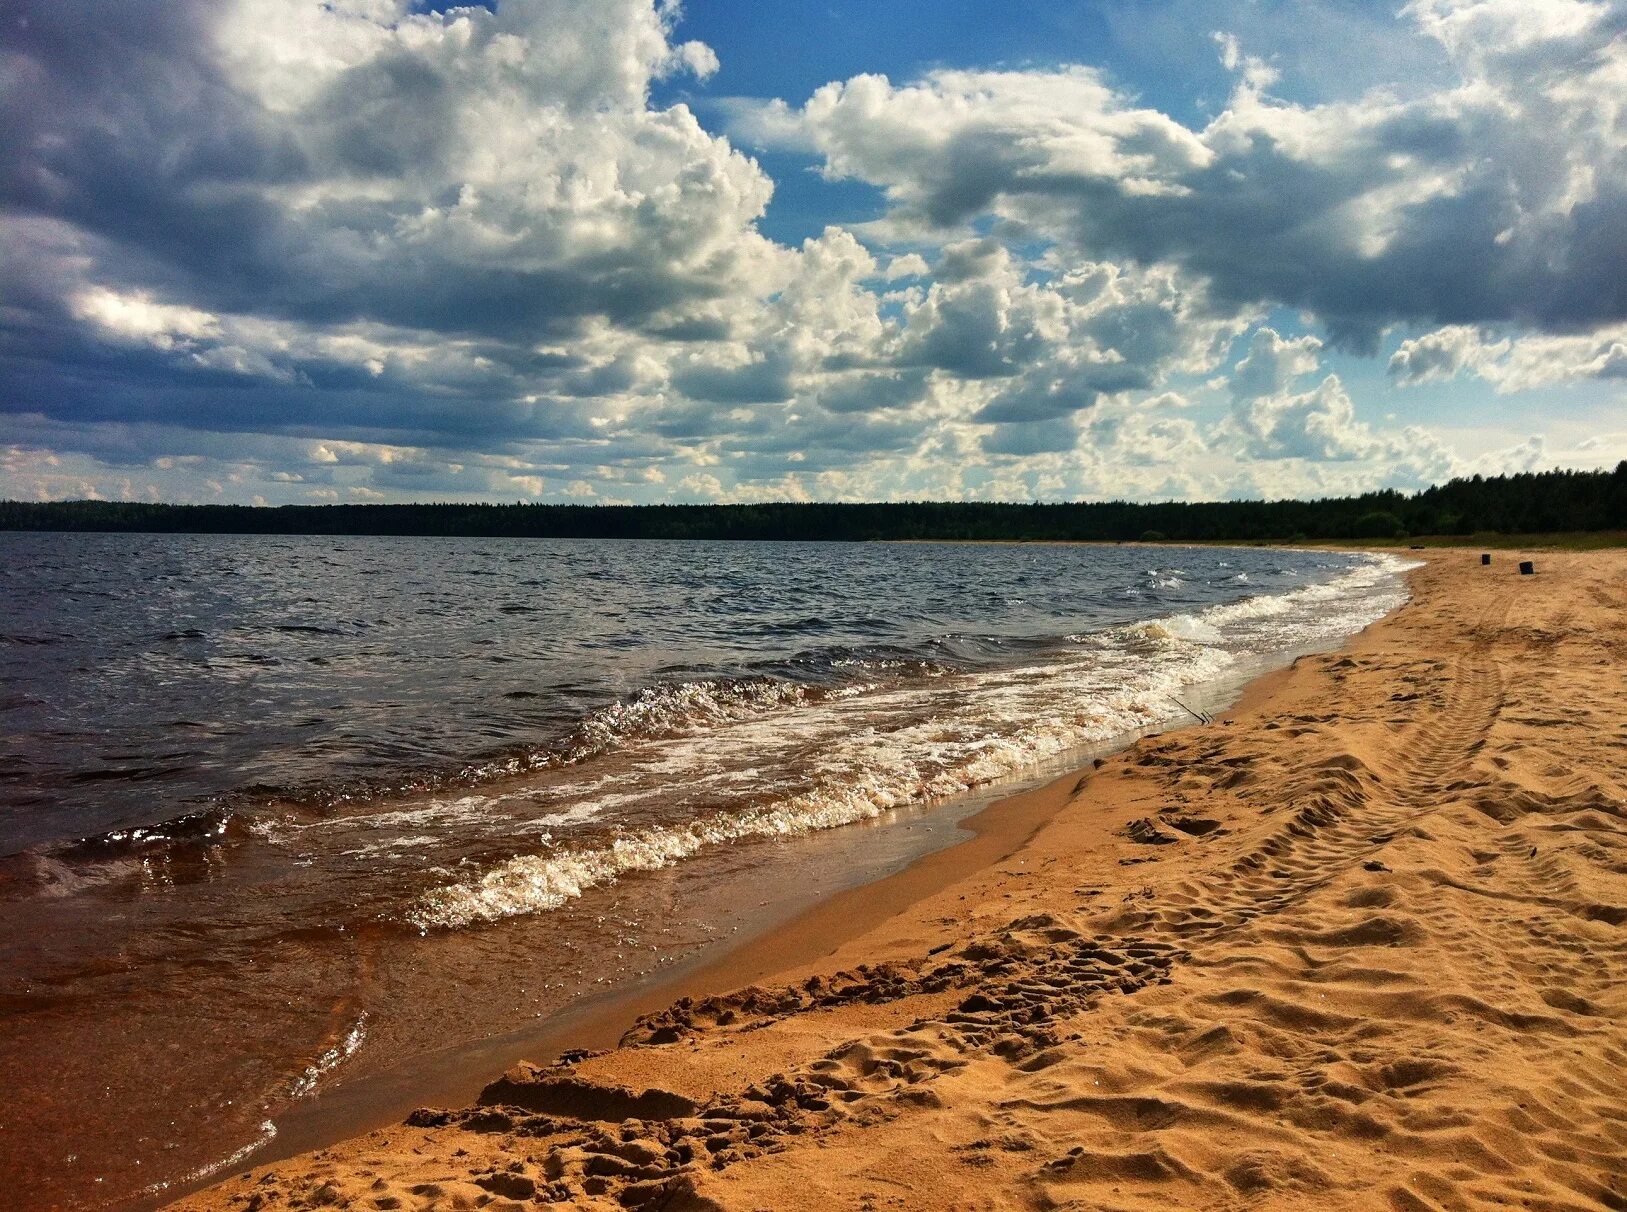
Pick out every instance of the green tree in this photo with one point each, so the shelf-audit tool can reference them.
(1379, 524)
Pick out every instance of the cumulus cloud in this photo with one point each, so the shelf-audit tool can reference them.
(319, 251)
(1144, 439)
(1275, 419)
(1501, 197)
(1510, 364)
(459, 172)
(1272, 363)
(460, 229)
(380, 204)
(1438, 355)
(1044, 349)
(1316, 424)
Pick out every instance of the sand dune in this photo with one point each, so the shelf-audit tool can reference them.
(1358, 944)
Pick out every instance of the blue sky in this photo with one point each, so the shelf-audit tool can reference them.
(282, 251)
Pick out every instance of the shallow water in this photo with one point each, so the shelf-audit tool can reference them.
(282, 810)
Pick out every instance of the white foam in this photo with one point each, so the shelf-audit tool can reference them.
(1185, 627)
(1325, 610)
(265, 1134)
(1040, 711)
(330, 1059)
(858, 756)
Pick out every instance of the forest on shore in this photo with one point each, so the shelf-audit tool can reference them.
(1528, 503)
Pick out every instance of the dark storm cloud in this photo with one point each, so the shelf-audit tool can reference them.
(117, 123)
(766, 379)
(1040, 397)
(875, 392)
(1044, 437)
(56, 374)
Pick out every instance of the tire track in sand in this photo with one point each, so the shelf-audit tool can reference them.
(1349, 811)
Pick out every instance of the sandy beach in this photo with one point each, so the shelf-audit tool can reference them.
(1357, 943)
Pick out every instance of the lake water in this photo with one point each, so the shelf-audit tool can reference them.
(276, 811)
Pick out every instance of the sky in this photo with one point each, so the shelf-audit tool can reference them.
(598, 251)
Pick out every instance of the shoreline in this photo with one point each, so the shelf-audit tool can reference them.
(1348, 942)
(984, 826)
(393, 1023)
(997, 824)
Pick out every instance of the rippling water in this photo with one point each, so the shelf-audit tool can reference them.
(239, 768)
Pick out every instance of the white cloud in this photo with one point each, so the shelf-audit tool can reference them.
(1529, 455)
(136, 319)
(1497, 197)
(1318, 424)
(363, 249)
(1274, 419)
(701, 485)
(1511, 364)
(1272, 363)
(1480, 29)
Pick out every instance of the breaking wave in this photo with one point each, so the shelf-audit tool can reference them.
(912, 768)
(993, 725)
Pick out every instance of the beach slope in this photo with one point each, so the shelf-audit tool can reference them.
(1362, 943)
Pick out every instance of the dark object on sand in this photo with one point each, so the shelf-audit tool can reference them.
(1485, 557)
(1147, 832)
(1527, 568)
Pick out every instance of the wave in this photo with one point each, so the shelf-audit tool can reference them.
(1165, 578)
(666, 711)
(1118, 687)
(1126, 682)
(264, 1135)
(1356, 586)
(178, 850)
(332, 1057)
(197, 828)
(914, 771)
(1185, 627)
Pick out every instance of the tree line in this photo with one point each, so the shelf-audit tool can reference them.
(1528, 503)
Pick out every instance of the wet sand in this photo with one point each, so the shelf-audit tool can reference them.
(1360, 941)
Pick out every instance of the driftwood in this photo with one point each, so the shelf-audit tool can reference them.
(1197, 715)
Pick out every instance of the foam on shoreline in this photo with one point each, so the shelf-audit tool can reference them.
(993, 726)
